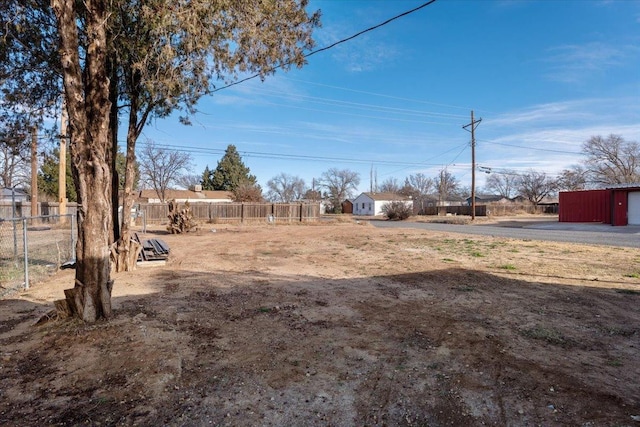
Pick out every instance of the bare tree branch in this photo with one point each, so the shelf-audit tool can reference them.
(285, 188)
(535, 186)
(340, 184)
(612, 160)
(160, 168)
(503, 184)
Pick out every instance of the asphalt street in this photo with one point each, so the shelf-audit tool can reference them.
(596, 234)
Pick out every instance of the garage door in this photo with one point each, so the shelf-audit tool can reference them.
(634, 208)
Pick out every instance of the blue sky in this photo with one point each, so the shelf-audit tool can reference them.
(544, 76)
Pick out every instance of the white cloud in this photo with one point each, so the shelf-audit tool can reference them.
(614, 112)
(252, 92)
(544, 113)
(573, 63)
(549, 137)
(364, 53)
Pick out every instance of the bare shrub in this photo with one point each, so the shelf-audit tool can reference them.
(397, 211)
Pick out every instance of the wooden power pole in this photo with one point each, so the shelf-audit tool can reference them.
(473, 125)
(34, 171)
(62, 165)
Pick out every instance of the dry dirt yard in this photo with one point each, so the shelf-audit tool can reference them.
(337, 324)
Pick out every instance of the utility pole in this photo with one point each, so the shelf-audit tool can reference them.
(441, 186)
(62, 165)
(34, 171)
(371, 179)
(473, 125)
(375, 180)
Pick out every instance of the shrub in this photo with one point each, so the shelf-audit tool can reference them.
(397, 211)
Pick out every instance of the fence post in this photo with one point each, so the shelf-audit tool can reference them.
(13, 216)
(26, 253)
(73, 247)
(15, 238)
(242, 212)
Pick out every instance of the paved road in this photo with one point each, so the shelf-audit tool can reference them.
(597, 234)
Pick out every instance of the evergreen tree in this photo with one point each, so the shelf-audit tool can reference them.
(121, 165)
(48, 175)
(48, 182)
(231, 172)
(207, 179)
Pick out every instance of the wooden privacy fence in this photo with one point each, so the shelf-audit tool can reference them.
(237, 212)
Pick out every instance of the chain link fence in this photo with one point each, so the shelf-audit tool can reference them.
(33, 248)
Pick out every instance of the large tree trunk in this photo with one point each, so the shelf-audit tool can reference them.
(126, 251)
(87, 96)
(113, 134)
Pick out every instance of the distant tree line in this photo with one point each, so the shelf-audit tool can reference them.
(607, 161)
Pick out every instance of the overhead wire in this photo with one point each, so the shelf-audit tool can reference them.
(313, 52)
(337, 102)
(445, 115)
(342, 113)
(513, 172)
(399, 98)
(279, 156)
(550, 150)
(464, 147)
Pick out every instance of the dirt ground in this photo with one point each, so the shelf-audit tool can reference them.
(337, 324)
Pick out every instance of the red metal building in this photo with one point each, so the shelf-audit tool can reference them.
(619, 205)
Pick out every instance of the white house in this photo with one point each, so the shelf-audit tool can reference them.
(371, 203)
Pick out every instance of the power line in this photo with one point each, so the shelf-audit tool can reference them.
(322, 49)
(457, 155)
(464, 147)
(342, 113)
(531, 148)
(399, 98)
(512, 172)
(313, 134)
(279, 156)
(358, 105)
(371, 28)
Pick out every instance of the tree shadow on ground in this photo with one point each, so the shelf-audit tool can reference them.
(447, 347)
